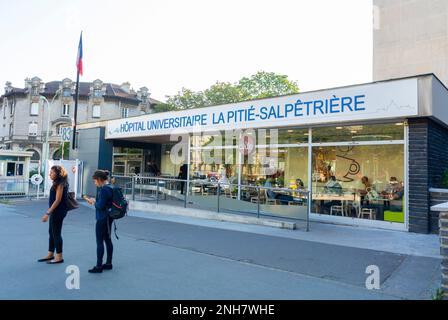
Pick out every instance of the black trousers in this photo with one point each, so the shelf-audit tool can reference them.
(103, 235)
(182, 187)
(55, 231)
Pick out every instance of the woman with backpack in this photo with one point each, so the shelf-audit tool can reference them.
(56, 213)
(102, 203)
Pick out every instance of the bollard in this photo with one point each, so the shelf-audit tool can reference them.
(157, 192)
(443, 233)
(218, 192)
(185, 194)
(308, 210)
(133, 188)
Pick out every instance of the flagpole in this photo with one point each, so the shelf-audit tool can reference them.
(76, 111)
(78, 71)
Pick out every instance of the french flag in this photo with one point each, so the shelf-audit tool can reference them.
(79, 58)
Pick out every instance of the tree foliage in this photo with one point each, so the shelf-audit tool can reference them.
(266, 85)
(260, 85)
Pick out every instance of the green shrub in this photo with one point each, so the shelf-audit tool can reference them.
(438, 295)
(445, 179)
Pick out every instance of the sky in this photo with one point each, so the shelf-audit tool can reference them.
(166, 45)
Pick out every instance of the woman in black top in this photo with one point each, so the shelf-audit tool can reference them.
(56, 214)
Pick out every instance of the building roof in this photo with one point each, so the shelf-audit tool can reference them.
(112, 91)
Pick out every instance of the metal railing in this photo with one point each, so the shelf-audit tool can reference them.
(14, 187)
(259, 200)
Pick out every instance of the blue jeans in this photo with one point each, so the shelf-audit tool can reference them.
(103, 235)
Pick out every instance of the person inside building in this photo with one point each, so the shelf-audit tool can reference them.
(333, 186)
(283, 198)
(394, 190)
(364, 189)
(153, 169)
(183, 174)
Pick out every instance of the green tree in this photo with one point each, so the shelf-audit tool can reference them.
(265, 85)
(186, 99)
(222, 93)
(260, 85)
(163, 107)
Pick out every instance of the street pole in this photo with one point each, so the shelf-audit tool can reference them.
(47, 133)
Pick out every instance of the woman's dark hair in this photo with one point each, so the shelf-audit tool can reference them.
(102, 175)
(61, 176)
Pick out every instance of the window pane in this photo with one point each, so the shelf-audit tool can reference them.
(274, 171)
(292, 136)
(214, 139)
(359, 182)
(96, 112)
(205, 173)
(34, 109)
(19, 169)
(359, 133)
(284, 165)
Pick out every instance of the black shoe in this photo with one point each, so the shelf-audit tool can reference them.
(45, 259)
(107, 266)
(96, 270)
(55, 262)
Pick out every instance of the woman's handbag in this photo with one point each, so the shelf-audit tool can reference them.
(71, 201)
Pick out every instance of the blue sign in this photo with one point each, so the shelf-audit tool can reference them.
(66, 134)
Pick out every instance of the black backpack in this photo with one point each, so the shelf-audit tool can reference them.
(119, 206)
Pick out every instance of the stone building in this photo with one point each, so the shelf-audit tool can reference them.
(24, 112)
(410, 37)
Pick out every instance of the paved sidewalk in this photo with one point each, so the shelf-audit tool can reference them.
(169, 257)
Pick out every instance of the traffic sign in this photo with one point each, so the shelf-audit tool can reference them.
(66, 134)
(37, 179)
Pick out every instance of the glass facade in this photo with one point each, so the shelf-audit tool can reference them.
(353, 171)
(359, 181)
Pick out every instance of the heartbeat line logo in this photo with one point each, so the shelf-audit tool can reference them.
(116, 130)
(394, 105)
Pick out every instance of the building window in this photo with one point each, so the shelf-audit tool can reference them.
(124, 112)
(97, 93)
(11, 129)
(34, 111)
(65, 110)
(35, 91)
(377, 132)
(355, 172)
(364, 182)
(60, 129)
(127, 161)
(96, 111)
(36, 155)
(67, 93)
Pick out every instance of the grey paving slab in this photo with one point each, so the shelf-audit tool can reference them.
(171, 260)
